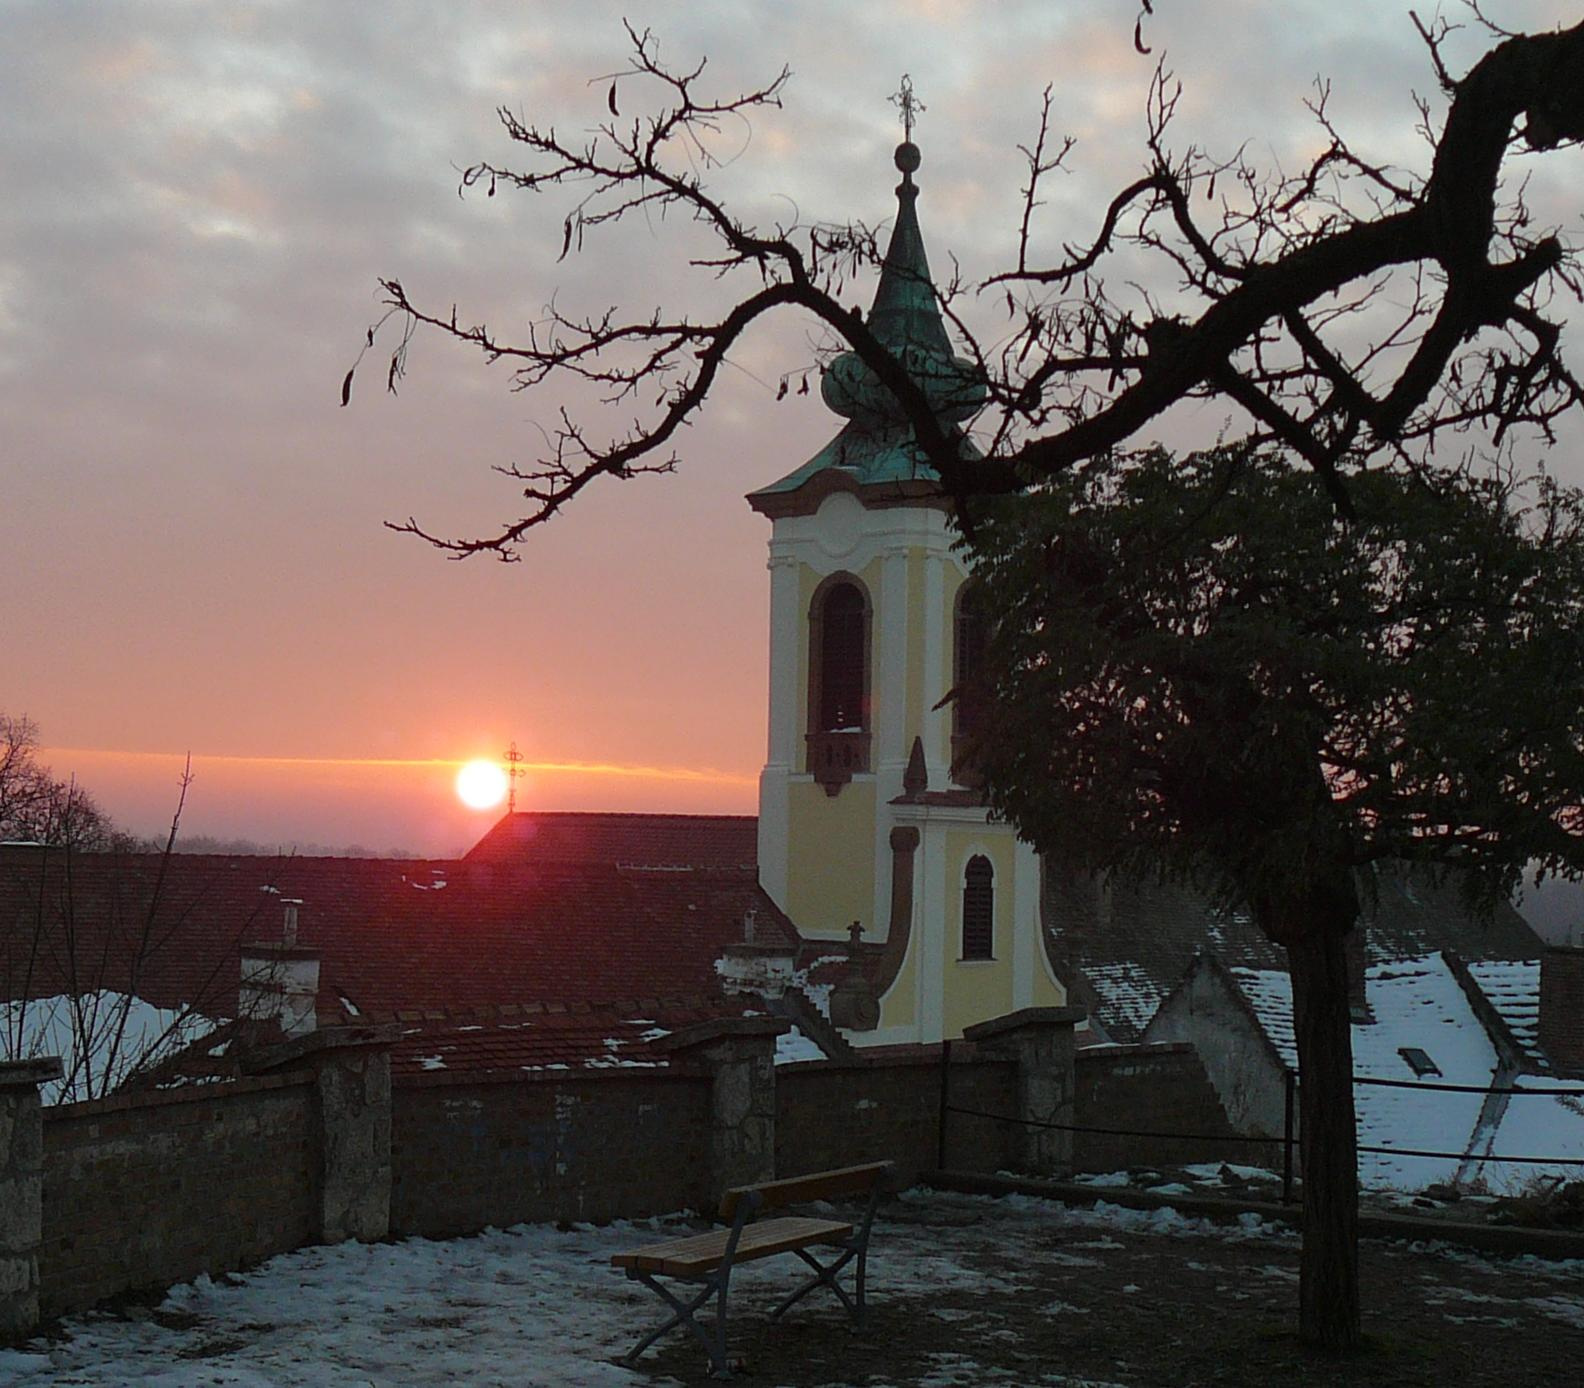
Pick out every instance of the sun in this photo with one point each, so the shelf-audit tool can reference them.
(481, 785)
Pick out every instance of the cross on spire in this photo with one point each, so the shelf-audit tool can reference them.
(910, 106)
(513, 759)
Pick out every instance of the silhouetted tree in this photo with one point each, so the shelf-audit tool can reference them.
(38, 807)
(1198, 669)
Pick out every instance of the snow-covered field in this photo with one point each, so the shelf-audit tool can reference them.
(528, 1305)
(535, 1305)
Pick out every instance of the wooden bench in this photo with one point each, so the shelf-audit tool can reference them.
(708, 1259)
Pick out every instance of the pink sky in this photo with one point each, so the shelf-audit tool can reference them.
(198, 202)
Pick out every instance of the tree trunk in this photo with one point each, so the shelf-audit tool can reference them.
(1328, 1293)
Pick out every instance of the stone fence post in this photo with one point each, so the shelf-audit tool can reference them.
(352, 1098)
(21, 1191)
(738, 1055)
(1040, 1041)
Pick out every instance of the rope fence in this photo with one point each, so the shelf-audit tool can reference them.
(1288, 1138)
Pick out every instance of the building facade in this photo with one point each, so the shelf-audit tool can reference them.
(868, 812)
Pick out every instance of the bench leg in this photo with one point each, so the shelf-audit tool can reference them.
(827, 1276)
(682, 1314)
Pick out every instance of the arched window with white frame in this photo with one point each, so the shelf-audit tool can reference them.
(978, 909)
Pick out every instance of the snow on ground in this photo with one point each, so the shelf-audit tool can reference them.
(99, 1036)
(532, 1304)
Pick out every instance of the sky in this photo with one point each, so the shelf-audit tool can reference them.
(199, 198)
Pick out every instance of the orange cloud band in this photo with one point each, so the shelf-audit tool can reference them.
(705, 775)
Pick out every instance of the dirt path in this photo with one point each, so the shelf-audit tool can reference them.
(983, 1292)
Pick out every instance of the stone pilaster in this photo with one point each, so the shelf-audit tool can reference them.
(1040, 1040)
(352, 1091)
(21, 1191)
(738, 1054)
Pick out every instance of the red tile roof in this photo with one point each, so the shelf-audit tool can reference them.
(634, 840)
(412, 940)
(503, 1041)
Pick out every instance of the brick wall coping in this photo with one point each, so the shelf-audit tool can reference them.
(913, 1061)
(720, 1029)
(1022, 1020)
(319, 1042)
(28, 1074)
(601, 1074)
(187, 1094)
(1129, 1050)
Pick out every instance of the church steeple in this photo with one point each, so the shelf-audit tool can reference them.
(878, 446)
(864, 812)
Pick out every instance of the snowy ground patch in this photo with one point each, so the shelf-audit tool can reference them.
(966, 1292)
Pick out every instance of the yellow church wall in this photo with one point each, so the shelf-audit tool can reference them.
(976, 990)
(831, 870)
(1047, 992)
(899, 1006)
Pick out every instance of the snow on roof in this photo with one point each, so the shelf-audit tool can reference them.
(1126, 989)
(793, 1046)
(826, 968)
(1269, 993)
(1416, 1003)
(1513, 987)
(102, 1038)
(1538, 1125)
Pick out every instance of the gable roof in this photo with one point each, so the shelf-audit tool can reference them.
(633, 840)
(1512, 986)
(430, 944)
(1421, 1003)
(1121, 948)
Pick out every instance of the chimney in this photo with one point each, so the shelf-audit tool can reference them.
(1353, 954)
(280, 979)
(1562, 1008)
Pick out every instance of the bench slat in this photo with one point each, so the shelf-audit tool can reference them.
(701, 1253)
(819, 1185)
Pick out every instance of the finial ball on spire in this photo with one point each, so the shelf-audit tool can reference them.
(908, 157)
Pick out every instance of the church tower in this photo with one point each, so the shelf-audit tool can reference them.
(864, 812)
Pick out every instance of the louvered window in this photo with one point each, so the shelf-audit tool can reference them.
(842, 683)
(968, 661)
(838, 689)
(978, 909)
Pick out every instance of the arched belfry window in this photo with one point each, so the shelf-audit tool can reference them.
(838, 695)
(970, 634)
(978, 909)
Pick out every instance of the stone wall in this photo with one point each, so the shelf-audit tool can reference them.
(1160, 1088)
(21, 1190)
(467, 1152)
(316, 1144)
(832, 1113)
(148, 1189)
